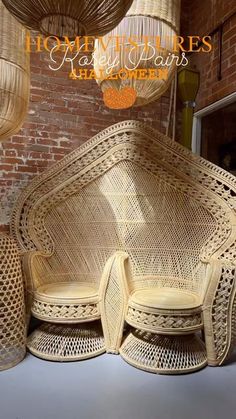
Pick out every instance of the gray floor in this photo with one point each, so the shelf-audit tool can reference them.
(107, 388)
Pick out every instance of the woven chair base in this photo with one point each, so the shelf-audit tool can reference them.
(66, 342)
(164, 354)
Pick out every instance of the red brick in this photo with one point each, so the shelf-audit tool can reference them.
(13, 160)
(27, 169)
(6, 167)
(10, 153)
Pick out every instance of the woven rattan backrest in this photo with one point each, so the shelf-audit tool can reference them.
(129, 188)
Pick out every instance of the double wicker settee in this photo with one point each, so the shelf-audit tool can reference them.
(134, 230)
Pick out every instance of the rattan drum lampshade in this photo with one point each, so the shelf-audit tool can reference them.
(152, 18)
(14, 75)
(69, 18)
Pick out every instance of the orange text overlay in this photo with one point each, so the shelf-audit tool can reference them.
(193, 43)
(122, 74)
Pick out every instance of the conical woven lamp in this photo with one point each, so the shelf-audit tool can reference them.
(14, 75)
(69, 18)
(152, 18)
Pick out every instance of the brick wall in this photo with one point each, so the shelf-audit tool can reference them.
(200, 18)
(63, 113)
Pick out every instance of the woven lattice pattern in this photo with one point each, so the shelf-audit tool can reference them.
(220, 309)
(114, 296)
(63, 313)
(152, 18)
(164, 354)
(126, 199)
(66, 343)
(12, 308)
(233, 331)
(175, 160)
(14, 75)
(133, 190)
(69, 18)
(218, 312)
(171, 322)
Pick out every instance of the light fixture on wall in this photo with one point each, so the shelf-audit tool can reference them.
(157, 21)
(69, 18)
(14, 75)
(188, 85)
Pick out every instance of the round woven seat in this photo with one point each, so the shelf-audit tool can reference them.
(67, 291)
(165, 298)
(164, 310)
(66, 302)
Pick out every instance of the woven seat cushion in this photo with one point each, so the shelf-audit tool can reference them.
(67, 292)
(165, 298)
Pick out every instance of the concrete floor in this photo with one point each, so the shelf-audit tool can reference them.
(107, 388)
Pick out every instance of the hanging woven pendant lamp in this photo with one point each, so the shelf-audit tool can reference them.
(69, 18)
(14, 75)
(152, 18)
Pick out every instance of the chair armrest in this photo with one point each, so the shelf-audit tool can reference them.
(113, 295)
(29, 263)
(219, 309)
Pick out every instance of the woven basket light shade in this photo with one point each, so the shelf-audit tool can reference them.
(69, 18)
(150, 18)
(14, 75)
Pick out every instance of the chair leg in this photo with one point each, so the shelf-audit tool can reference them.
(113, 300)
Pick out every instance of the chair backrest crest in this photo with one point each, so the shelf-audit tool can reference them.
(130, 188)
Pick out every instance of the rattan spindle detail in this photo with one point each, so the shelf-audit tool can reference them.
(69, 18)
(14, 74)
(152, 18)
(12, 307)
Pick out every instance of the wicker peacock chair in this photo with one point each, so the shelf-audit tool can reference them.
(131, 226)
